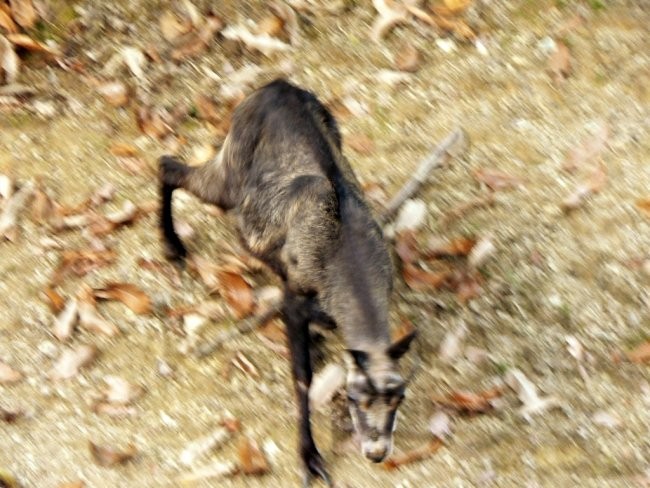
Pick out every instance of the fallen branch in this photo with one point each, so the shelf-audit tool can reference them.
(452, 145)
(243, 327)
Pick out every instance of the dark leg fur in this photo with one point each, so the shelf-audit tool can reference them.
(297, 313)
(172, 175)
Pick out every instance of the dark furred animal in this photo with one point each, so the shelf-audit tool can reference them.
(299, 208)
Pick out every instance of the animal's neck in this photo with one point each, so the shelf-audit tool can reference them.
(357, 286)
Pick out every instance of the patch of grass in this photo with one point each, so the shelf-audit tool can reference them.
(597, 4)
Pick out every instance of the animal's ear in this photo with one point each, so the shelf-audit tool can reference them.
(398, 348)
(360, 358)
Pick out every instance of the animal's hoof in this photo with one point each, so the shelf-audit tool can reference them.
(315, 467)
(175, 252)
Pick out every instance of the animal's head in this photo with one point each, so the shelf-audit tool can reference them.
(375, 390)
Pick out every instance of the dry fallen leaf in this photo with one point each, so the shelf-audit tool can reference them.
(23, 13)
(71, 361)
(263, 43)
(199, 447)
(451, 345)
(289, 21)
(114, 92)
(251, 458)
(120, 391)
(481, 252)
(440, 425)
(237, 292)
(194, 43)
(418, 279)
(9, 374)
(437, 248)
(54, 300)
(457, 6)
(9, 417)
(406, 247)
(11, 211)
(497, 180)
(390, 15)
(81, 262)
(640, 354)
(89, 317)
(527, 392)
(207, 109)
(468, 286)
(407, 58)
(108, 456)
(23, 41)
(9, 62)
(559, 62)
(127, 293)
(466, 403)
(64, 322)
(213, 471)
(398, 460)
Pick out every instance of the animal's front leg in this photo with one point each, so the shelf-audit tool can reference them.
(296, 312)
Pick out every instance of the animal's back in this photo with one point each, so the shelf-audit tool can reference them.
(283, 148)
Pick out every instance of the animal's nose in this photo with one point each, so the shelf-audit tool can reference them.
(375, 451)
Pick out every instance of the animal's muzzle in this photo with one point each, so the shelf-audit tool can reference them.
(376, 451)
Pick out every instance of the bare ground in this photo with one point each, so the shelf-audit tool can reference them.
(580, 281)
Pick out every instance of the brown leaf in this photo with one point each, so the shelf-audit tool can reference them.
(468, 287)
(25, 42)
(207, 109)
(361, 143)
(89, 317)
(407, 58)
(54, 300)
(559, 62)
(114, 92)
(8, 374)
(406, 246)
(460, 246)
(108, 456)
(172, 27)
(640, 354)
(196, 42)
(251, 458)
(466, 403)
(423, 452)
(23, 13)
(156, 123)
(81, 262)
(497, 180)
(127, 293)
(643, 204)
(418, 279)
(237, 292)
(7, 23)
(42, 205)
(271, 26)
(9, 416)
(71, 361)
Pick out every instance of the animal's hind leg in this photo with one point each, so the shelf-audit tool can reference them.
(207, 182)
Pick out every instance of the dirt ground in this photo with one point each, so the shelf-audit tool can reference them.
(553, 275)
